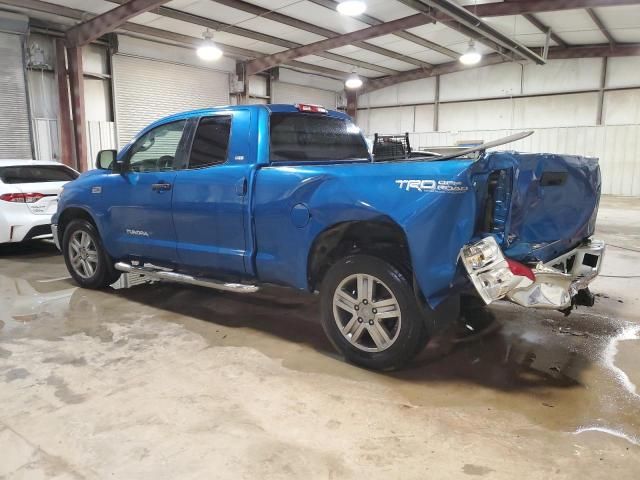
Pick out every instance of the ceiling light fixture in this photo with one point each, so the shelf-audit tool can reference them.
(353, 81)
(351, 8)
(208, 50)
(471, 56)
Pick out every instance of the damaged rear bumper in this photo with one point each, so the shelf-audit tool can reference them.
(551, 285)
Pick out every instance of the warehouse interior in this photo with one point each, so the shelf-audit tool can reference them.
(151, 379)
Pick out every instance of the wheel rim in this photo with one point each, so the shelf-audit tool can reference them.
(83, 254)
(367, 312)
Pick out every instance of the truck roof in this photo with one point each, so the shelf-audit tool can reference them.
(271, 107)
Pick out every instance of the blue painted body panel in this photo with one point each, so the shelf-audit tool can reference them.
(255, 220)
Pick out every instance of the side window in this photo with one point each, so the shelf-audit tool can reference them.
(211, 142)
(156, 150)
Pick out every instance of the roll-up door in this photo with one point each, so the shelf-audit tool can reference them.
(290, 93)
(15, 134)
(146, 90)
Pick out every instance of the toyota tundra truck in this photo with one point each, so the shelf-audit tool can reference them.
(237, 197)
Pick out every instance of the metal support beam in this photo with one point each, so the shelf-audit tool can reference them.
(352, 103)
(583, 51)
(520, 7)
(76, 86)
(369, 20)
(596, 19)
(603, 84)
(65, 124)
(279, 58)
(544, 29)
(107, 22)
(461, 17)
(436, 106)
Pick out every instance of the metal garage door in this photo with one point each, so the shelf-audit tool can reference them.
(146, 90)
(15, 133)
(290, 93)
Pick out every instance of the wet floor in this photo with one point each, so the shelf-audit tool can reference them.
(165, 381)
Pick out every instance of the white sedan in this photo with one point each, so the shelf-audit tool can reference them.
(29, 192)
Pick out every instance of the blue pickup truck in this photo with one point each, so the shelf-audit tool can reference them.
(237, 197)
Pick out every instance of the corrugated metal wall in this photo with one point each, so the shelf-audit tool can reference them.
(282, 92)
(146, 90)
(15, 132)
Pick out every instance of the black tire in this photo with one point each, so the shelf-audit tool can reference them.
(411, 334)
(104, 273)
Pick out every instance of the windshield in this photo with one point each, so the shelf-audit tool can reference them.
(36, 174)
(301, 137)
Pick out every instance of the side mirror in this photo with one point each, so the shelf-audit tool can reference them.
(106, 160)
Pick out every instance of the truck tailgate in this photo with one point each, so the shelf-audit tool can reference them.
(539, 205)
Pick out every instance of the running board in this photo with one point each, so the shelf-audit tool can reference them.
(182, 278)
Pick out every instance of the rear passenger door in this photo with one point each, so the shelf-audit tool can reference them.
(210, 198)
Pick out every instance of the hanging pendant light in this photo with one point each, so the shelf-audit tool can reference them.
(351, 8)
(471, 56)
(353, 81)
(208, 50)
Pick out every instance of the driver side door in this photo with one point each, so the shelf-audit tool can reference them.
(139, 198)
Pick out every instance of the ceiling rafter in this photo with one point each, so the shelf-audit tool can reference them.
(520, 7)
(473, 26)
(268, 61)
(91, 30)
(581, 51)
(312, 28)
(281, 42)
(601, 26)
(544, 29)
(369, 20)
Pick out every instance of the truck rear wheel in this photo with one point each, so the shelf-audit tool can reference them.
(370, 314)
(85, 257)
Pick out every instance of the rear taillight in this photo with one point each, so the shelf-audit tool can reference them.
(521, 270)
(21, 197)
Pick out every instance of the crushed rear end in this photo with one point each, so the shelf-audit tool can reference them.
(533, 242)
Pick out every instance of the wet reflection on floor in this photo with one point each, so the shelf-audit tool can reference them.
(571, 374)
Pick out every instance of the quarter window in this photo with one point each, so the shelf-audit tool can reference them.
(211, 142)
(156, 150)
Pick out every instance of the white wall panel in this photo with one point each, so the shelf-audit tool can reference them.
(408, 93)
(387, 120)
(555, 111)
(623, 72)
(491, 114)
(423, 118)
(309, 80)
(493, 81)
(622, 107)
(562, 76)
(289, 93)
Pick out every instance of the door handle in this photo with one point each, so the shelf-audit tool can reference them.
(241, 187)
(161, 187)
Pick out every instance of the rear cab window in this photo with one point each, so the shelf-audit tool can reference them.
(211, 142)
(309, 137)
(36, 174)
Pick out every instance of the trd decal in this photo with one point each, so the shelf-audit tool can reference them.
(444, 186)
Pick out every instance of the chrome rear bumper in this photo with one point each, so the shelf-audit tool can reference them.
(556, 282)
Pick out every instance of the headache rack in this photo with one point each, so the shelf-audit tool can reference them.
(391, 147)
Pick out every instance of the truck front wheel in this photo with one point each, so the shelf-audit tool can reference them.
(370, 313)
(85, 257)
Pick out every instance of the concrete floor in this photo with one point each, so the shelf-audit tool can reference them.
(165, 381)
